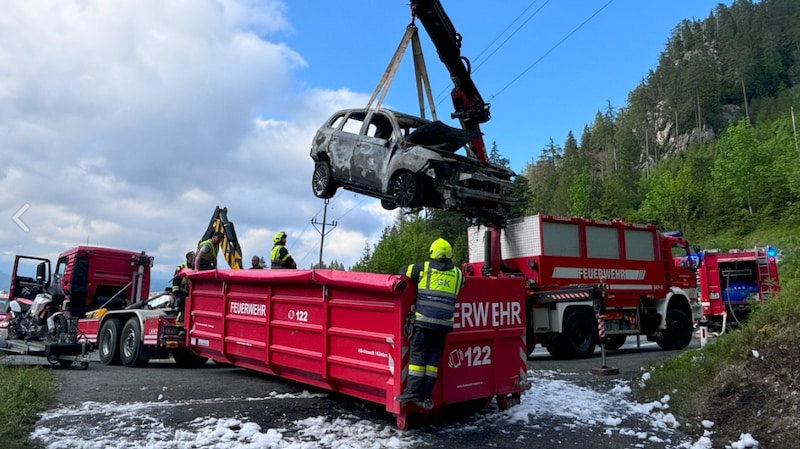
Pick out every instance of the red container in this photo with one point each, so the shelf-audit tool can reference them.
(343, 332)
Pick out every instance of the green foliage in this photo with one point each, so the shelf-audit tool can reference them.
(407, 241)
(26, 392)
(334, 265)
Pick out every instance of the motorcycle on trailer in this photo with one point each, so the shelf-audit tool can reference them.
(38, 319)
(40, 328)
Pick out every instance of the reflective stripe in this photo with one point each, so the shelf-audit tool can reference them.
(422, 318)
(437, 304)
(416, 370)
(431, 371)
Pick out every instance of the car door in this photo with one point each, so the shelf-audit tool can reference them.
(372, 152)
(342, 144)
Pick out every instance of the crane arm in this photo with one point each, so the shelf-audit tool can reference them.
(470, 109)
(230, 243)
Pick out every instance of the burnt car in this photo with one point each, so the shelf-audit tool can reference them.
(407, 162)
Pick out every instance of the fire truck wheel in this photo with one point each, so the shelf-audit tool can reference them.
(679, 331)
(108, 342)
(614, 342)
(131, 348)
(580, 334)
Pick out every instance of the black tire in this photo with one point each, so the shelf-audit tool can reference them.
(679, 331)
(108, 342)
(530, 341)
(388, 204)
(579, 334)
(185, 358)
(60, 329)
(614, 342)
(322, 181)
(55, 361)
(405, 189)
(131, 350)
(14, 332)
(556, 348)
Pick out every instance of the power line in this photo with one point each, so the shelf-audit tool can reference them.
(444, 91)
(553, 48)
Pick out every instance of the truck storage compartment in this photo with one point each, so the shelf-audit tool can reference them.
(343, 332)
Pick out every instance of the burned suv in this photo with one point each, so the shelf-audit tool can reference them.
(408, 162)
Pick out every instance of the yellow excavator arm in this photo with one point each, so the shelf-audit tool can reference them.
(230, 243)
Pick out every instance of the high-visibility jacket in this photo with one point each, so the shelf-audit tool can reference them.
(438, 284)
(280, 258)
(208, 260)
(179, 283)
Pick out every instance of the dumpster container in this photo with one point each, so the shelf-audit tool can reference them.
(343, 332)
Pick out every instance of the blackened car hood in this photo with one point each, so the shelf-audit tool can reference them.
(439, 136)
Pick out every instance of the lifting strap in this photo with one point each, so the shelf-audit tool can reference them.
(420, 73)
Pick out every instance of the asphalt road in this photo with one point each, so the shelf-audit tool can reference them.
(225, 391)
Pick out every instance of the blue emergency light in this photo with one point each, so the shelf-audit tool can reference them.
(771, 252)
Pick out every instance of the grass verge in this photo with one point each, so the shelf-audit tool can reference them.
(26, 391)
(744, 381)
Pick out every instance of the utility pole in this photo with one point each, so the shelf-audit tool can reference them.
(323, 232)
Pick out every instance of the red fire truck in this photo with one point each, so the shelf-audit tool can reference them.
(731, 282)
(638, 280)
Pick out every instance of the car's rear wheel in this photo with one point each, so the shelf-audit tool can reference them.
(405, 189)
(322, 181)
(388, 204)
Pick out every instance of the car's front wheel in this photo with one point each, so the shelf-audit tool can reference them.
(322, 181)
(405, 189)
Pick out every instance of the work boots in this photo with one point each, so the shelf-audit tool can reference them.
(413, 391)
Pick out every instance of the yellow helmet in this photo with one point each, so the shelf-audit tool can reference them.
(278, 237)
(440, 248)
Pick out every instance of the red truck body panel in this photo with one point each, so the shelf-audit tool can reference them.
(730, 280)
(343, 332)
(93, 274)
(634, 260)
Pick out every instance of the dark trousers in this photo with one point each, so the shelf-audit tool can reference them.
(423, 364)
(180, 304)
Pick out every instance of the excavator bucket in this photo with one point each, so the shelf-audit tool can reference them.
(230, 243)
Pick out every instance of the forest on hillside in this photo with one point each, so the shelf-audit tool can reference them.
(707, 141)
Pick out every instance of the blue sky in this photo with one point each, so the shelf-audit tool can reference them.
(558, 87)
(125, 124)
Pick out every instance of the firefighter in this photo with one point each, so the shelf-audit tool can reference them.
(180, 287)
(280, 255)
(255, 261)
(438, 283)
(206, 257)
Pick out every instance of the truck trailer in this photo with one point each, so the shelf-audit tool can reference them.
(344, 332)
(632, 278)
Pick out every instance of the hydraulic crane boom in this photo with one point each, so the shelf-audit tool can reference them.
(470, 109)
(230, 243)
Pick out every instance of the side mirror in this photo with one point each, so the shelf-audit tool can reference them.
(41, 271)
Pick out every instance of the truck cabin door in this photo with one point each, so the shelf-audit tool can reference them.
(30, 277)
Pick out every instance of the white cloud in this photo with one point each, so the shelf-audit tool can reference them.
(124, 124)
